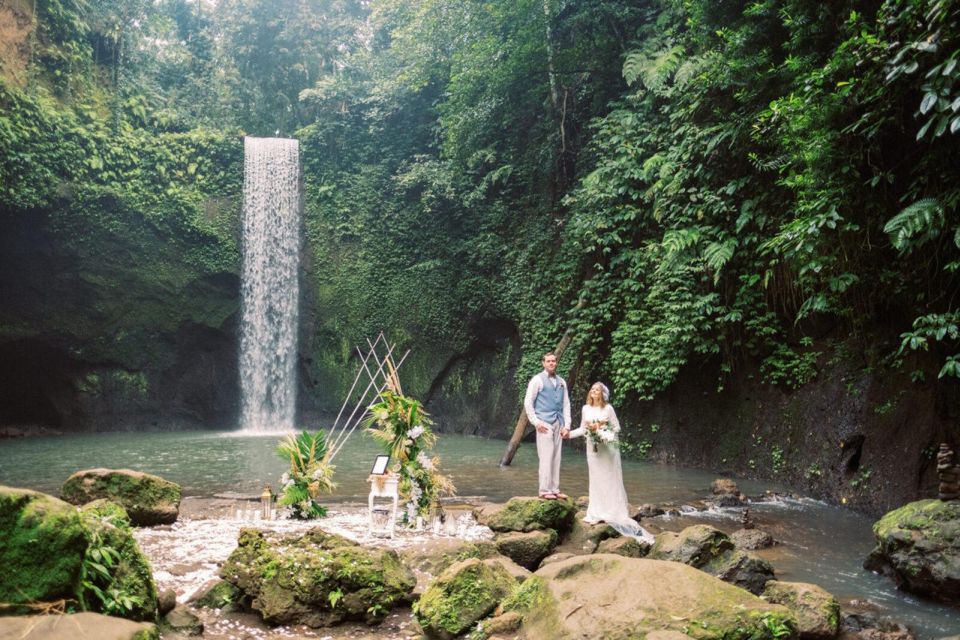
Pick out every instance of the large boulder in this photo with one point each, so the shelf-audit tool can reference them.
(918, 545)
(695, 546)
(42, 547)
(131, 590)
(583, 597)
(528, 514)
(745, 570)
(527, 549)
(76, 625)
(148, 499)
(816, 610)
(461, 596)
(316, 578)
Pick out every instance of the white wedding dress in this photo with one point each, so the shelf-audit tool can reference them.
(608, 498)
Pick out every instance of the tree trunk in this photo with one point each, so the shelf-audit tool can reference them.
(522, 421)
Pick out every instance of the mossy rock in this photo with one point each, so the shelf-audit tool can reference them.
(561, 603)
(463, 595)
(624, 546)
(584, 537)
(148, 499)
(42, 546)
(695, 546)
(221, 595)
(745, 570)
(528, 514)
(76, 626)
(183, 622)
(919, 546)
(132, 575)
(816, 610)
(316, 578)
(527, 549)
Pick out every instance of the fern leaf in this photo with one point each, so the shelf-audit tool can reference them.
(717, 254)
(916, 224)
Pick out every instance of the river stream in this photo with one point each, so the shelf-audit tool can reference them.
(818, 543)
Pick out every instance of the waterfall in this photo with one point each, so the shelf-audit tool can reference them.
(270, 290)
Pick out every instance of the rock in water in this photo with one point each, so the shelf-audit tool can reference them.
(703, 547)
(528, 514)
(461, 596)
(918, 545)
(42, 546)
(527, 549)
(583, 597)
(316, 578)
(695, 546)
(182, 621)
(148, 499)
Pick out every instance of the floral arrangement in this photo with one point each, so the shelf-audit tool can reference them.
(599, 432)
(310, 474)
(401, 425)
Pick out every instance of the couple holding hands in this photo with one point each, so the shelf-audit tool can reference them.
(547, 405)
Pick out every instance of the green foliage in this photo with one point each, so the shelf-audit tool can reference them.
(310, 473)
(402, 427)
(790, 368)
(102, 586)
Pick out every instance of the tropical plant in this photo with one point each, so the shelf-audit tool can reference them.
(310, 474)
(98, 588)
(402, 427)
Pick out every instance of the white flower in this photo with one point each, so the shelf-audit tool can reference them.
(416, 432)
(606, 435)
(285, 478)
(425, 461)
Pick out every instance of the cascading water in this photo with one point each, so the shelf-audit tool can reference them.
(270, 287)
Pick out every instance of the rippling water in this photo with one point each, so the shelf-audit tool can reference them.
(819, 543)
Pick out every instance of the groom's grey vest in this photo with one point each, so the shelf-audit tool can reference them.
(548, 405)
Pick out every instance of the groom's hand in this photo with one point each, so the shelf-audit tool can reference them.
(565, 433)
(542, 427)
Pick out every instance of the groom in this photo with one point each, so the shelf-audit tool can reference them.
(548, 408)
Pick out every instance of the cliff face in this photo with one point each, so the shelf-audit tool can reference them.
(109, 328)
(861, 436)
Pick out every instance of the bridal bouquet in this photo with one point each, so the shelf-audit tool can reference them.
(603, 434)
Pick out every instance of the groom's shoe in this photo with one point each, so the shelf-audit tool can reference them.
(548, 496)
(562, 496)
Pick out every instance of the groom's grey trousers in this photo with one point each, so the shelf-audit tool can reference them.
(548, 450)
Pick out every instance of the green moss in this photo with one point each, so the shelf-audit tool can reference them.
(467, 592)
(141, 494)
(220, 595)
(531, 514)
(131, 572)
(530, 594)
(42, 545)
(919, 515)
(316, 579)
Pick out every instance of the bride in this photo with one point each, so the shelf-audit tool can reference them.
(608, 498)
